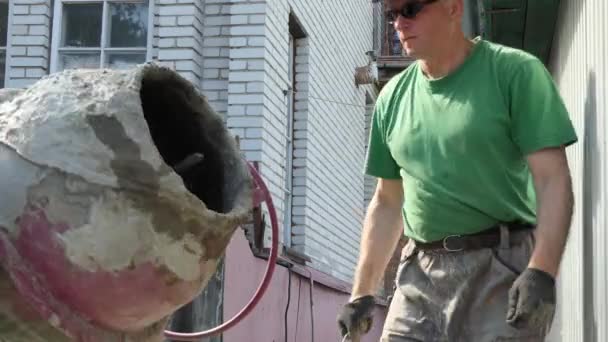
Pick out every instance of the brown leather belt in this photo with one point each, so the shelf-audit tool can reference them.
(488, 238)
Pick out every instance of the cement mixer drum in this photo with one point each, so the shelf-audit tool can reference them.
(120, 192)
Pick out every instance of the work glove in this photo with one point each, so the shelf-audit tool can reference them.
(532, 301)
(355, 318)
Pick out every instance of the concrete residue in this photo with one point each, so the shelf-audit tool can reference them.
(77, 146)
(47, 123)
(17, 175)
(118, 236)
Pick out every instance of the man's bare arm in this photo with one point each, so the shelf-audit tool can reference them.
(382, 229)
(553, 185)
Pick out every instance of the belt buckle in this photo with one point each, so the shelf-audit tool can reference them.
(445, 243)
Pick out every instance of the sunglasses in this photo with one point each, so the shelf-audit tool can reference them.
(408, 11)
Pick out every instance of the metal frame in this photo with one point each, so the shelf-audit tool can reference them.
(102, 49)
(289, 146)
(9, 39)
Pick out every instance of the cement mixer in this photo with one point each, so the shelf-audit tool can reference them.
(120, 192)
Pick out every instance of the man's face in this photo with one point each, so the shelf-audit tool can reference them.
(421, 35)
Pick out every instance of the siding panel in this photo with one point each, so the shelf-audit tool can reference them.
(578, 64)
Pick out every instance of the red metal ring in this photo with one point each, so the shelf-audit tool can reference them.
(259, 182)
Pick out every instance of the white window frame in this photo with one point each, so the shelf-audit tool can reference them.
(58, 25)
(9, 34)
(289, 135)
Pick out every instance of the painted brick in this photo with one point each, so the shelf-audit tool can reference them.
(186, 42)
(37, 51)
(211, 73)
(28, 62)
(19, 30)
(167, 42)
(176, 54)
(35, 73)
(247, 53)
(30, 19)
(176, 31)
(176, 10)
(17, 72)
(40, 9)
(239, 19)
(18, 51)
(39, 30)
(21, 9)
(31, 40)
(249, 30)
(246, 76)
(248, 9)
(186, 20)
(167, 21)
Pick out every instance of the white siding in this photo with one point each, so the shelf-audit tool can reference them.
(369, 183)
(30, 32)
(579, 66)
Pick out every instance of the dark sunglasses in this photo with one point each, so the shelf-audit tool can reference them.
(408, 11)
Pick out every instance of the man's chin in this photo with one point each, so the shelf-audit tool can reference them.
(409, 52)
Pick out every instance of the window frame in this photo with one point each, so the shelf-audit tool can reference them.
(9, 36)
(56, 49)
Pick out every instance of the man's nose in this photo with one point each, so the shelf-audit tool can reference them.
(402, 23)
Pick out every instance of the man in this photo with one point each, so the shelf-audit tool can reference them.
(468, 145)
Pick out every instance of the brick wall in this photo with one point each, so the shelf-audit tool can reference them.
(29, 49)
(329, 191)
(246, 79)
(179, 36)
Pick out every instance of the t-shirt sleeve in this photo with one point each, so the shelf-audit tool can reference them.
(379, 162)
(539, 117)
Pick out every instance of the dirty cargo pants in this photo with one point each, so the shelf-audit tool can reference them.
(461, 296)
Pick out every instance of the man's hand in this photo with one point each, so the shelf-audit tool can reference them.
(532, 301)
(355, 318)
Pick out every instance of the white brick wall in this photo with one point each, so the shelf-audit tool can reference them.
(29, 43)
(179, 36)
(328, 219)
(216, 42)
(246, 80)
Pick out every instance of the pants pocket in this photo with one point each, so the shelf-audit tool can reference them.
(407, 253)
(515, 259)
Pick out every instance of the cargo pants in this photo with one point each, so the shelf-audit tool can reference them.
(461, 296)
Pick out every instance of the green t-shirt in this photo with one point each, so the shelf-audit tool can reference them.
(459, 143)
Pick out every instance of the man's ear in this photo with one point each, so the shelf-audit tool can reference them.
(455, 8)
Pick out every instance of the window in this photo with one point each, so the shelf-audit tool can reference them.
(100, 34)
(3, 39)
(295, 168)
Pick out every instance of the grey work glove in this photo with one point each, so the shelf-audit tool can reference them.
(355, 318)
(532, 301)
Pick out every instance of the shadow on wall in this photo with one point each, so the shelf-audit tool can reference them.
(568, 21)
(591, 192)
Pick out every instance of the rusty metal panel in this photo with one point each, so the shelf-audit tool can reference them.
(578, 65)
